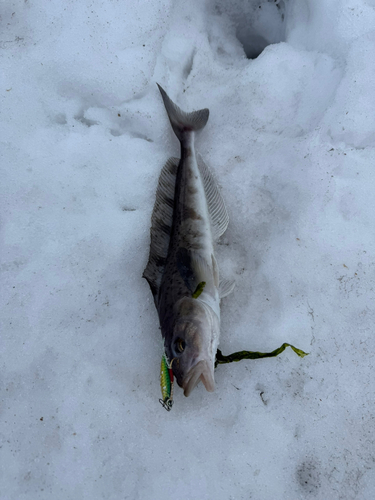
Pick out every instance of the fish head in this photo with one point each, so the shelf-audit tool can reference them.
(193, 344)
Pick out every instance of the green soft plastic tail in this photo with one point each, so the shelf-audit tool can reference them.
(238, 356)
(199, 289)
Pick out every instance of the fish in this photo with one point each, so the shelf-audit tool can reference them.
(189, 216)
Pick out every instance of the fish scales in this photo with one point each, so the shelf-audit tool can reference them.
(182, 256)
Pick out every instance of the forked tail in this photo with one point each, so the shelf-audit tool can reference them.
(183, 122)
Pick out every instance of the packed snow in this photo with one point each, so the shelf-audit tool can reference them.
(291, 143)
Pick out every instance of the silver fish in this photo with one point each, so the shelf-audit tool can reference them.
(189, 215)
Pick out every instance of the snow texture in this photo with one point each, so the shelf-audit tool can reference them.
(291, 142)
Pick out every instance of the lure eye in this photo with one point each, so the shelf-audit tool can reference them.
(180, 345)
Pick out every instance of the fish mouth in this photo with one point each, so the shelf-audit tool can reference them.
(203, 372)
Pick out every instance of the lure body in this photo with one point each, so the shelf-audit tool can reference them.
(166, 383)
(199, 289)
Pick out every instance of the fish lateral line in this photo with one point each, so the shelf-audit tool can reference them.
(238, 356)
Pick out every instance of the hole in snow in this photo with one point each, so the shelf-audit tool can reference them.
(253, 44)
(257, 23)
(262, 24)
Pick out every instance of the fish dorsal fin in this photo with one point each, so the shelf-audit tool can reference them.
(216, 207)
(161, 225)
(226, 287)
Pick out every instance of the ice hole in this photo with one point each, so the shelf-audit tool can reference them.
(257, 23)
(253, 43)
(261, 23)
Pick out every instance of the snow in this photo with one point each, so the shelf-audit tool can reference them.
(291, 142)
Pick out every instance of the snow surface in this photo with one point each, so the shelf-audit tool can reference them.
(291, 141)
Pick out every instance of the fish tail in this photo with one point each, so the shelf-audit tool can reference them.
(180, 120)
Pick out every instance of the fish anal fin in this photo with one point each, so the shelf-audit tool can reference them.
(216, 206)
(226, 287)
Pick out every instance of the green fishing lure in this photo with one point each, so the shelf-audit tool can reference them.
(199, 289)
(237, 356)
(166, 383)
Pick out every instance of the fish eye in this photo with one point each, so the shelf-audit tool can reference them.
(180, 345)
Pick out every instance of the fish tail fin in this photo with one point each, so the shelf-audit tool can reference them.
(180, 120)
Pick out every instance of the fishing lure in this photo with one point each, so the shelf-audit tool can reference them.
(199, 289)
(166, 383)
(237, 356)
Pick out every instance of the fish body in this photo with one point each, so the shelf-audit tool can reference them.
(189, 215)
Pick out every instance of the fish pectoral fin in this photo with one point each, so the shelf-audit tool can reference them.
(200, 267)
(226, 287)
(193, 268)
(216, 206)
